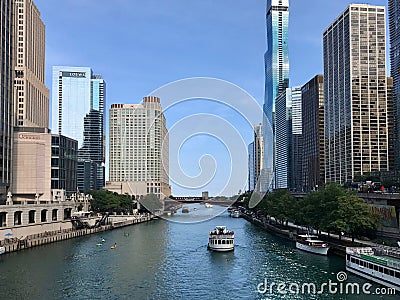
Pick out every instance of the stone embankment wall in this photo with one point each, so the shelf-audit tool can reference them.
(15, 244)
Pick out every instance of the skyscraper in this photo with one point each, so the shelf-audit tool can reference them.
(78, 100)
(296, 140)
(391, 124)
(313, 133)
(276, 74)
(6, 94)
(90, 155)
(32, 96)
(251, 182)
(139, 148)
(355, 88)
(258, 156)
(394, 28)
(288, 139)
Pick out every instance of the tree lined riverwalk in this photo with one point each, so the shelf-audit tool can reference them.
(338, 244)
(332, 209)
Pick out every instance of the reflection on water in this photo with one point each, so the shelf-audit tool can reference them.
(197, 213)
(166, 260)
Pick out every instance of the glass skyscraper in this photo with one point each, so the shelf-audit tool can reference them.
(394, 27)
(78, 100)
(276, 76)
(288, 139)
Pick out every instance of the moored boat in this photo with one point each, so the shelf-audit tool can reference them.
(185, 210)
(310, 243)
(2, 250)
(208, 205)
(221, 239)
(377, 264)
(235, 214)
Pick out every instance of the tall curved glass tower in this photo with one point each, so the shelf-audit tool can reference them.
(276, 78)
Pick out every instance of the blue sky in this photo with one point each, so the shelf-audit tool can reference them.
(139, 46)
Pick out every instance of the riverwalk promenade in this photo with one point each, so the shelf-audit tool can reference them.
(15, 244)
(337, 244)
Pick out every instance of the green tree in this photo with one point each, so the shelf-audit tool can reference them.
(354, 215)
(106, 201)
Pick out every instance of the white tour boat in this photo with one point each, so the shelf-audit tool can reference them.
(378, 264)
(2, 250)
(221, 239)
(310, 243)
(208, 205)
(235, 214)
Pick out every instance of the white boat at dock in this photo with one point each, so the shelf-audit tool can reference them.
(310, 243)
(377, 264)
(221, 239)
(235, 213)
(2, 250)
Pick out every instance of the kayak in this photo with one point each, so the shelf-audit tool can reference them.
(99, 244)
(113, 247)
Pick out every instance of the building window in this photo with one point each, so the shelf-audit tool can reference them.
(18, 218)
(43, 215)
(31, 218)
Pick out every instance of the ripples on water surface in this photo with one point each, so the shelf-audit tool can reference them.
(166, 260)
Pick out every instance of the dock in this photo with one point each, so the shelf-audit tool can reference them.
(290, 232)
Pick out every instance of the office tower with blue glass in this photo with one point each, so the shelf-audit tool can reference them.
(276, 78)
(394, 28)
(78, 100)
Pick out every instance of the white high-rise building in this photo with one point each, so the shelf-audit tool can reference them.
(288, 138)
(139, 149)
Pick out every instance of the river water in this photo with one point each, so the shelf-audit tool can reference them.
(169, 260)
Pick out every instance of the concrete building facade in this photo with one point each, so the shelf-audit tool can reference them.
(355, 88)
(32, 96)
(139, 148)
(43, 164)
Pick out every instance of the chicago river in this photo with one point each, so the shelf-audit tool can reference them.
(169, 260)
